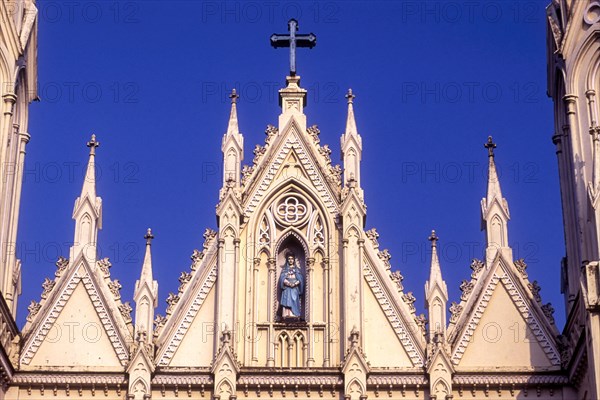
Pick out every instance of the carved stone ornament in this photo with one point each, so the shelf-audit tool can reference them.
(591, 15)
(48, 285)
(325, 151)
(258, 151)
(125, 310)
(104, 265)
(548, 312)
(313, 132)
(385, 256)
(61, 265)
(476, 266)
(34, 308)
(455, 310)
(115, 288)
(184, 278)
(521, 266)
(373, 236)
(196, 257)
(397, 278)
(172, 300)
(410, 299)
(291, 210)
(535, 290)
(466, 288)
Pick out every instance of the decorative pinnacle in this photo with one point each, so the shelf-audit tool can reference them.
(350, 96)
(433, 238)
(92, 144)
(490, 146)
(234, 96)
(594, 131)
(149, 236)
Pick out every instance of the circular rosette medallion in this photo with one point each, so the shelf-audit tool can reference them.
(291, 209)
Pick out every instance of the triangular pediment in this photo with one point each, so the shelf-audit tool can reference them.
(390, 337)
(292, 156)
(504, 323)
(78, 325)
(188, 335)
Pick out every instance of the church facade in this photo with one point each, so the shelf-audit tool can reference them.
(291, 296)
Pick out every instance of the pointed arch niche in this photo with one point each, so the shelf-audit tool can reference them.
(292, 242)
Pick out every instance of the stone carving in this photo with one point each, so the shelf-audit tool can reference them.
(247, 172)
(397, 277)
(61, 265)
(548, 312)
(421, 321)
(373, 236)
(521, 266)
(535, 290)
(48, 285)
(466, 288)
(264, 237)
(258, 151)
(410, 300)
(292, 210)
(476, 266)
(336, 174)
(125, 310)
(184, 278)
(34, 308)
(196, 257)
(314, 132)
(455, 310)
(291, 283)
(325, 151)
(172, 300)
(385, 256)
(209, 234)
(591, 15)
(271, 131)
(104, 265)
(115, 288)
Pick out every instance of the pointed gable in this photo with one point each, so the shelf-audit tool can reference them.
(79, 325)
(503, 321)
(289, 155)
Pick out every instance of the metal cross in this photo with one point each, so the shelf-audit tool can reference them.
(234, 96)
(433, 238)
(149, 236)
(490, 145)
(350, 96)
(293, 40)
(92, 144)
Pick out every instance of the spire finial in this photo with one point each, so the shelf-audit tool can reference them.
(490, 146)
(350, 96)
(149, 236)
(433, 238)
(92, 144)
(234, 96)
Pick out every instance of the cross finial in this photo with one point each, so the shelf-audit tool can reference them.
(293, 40)
(92, 144)
(490, 146)
(226, 337)
(149, 236)
(433, 238)
(594, 131)
(350, 96)
(234, 96)
(354, 335)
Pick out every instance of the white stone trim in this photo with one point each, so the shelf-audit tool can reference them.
(36, 340)
(292, 142)
(393, 316)
(177, 336)
(522, 306)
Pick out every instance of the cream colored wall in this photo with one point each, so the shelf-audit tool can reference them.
(77, 340)
(197, 347)
(502, 338)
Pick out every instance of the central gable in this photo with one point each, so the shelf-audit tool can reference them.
(292, 157)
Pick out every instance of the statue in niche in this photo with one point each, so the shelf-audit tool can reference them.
(291, 284)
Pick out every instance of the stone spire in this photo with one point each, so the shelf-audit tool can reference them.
(87, 211)
(436, 293)
(232, 147)
(494, 211)
(351, 144)
(145, 295)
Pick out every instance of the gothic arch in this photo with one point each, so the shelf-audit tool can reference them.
(355, 385)
(579, 72)
(139, 386)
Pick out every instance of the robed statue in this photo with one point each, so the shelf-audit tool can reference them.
(291, 283)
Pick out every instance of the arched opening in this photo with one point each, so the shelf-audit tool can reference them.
(291, 255)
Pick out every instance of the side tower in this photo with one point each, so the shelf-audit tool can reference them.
(18, 75)
(573, 83)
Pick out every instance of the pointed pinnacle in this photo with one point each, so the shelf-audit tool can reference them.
(149, 236)
(92, 144)
(490, 146)
(350, 96)
(234, 96)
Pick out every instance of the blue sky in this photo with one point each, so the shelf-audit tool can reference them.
(432, 81)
